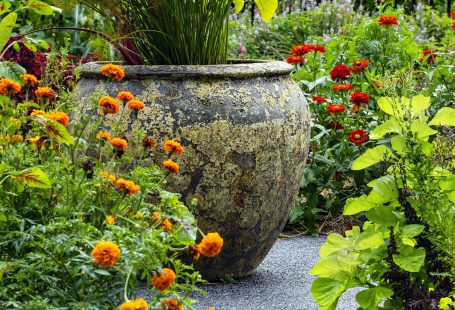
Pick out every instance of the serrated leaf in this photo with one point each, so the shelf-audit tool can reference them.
(267, 8)
(389, 126)
(357, 205)
(372, 157)
(410, 259)
(444, 117)
(7, 24)
(40, 7)
(326, 292)
(370, 298)
(32, 177)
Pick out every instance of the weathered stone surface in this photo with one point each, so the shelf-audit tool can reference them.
(245, 129)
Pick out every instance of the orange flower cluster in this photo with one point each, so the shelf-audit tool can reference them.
(105, 254)
(125, 96)
(335, 108)
(110, 220)
(113, 72)
(302, 49)
(359, 66)
(319, 99)
(358, 136)
(164, 280)
(298, 60)
(45, 92)
(128, 186)
(109, 105)
(106, 175)
(119, 144)
(358, 98)
(389, 21)
(173, 147)
(29, 79)
(60, 117)
(103, 135)
(170, 304)
(171, 165)
(9, 87)
(452, 14)
(210, 245)
(136, 304)
(136, 105)
(167, 225)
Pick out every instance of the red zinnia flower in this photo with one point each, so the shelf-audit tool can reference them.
(428, 57)
(302, 49)
(358, 136)
(452, 14)
(319, 99)
(358, 98)
(295, 60)
(334, 125)
(340, 73)
(341, 87)
(359, 65)
(387, 21)
(335, 108)
(319, 48)
(453, 25)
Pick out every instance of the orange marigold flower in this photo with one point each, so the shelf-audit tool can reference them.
(148, 143)
(136, 304)
(171, 165)
(342, 87)
(173, 147)
(45, 92)
(105, 254)
(119, 143)
(295, 60)
(106, 175)
(37, 112)
(194, 252)
(389, 21)
(125, 96)
(29, 79)
(156, 216)
(340, 72)
(210, 245)
(335, 108)
(60, 117)
(38, 142)
(103, 135)
(170, 304)
(9, 87)
(127, 186)
(167, 225)
(110, 220)
(164, 280)
(358, 136)
(112, 71)
(136, 105)
(359, 65)
(109, 105)
(358, 98)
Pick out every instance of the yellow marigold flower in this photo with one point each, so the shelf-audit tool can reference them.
(106, 175)
(136, 105)
(105, 254)
(112, 71)
(167, 225)
(173, 147)
(171, 165)
(16, 139)
(211, 308)
(36, 112)
(125, 96)
(128, 186)
(156, 216)
(164, 280)
(109, 105)
(17, 123)
(137, 304)
(29, 79)
(110, 220)
(45, 92)
(60, 117)
(103, 135)
(8, 87)
(171, 304)
(119, 143)
(139, 215)
(210, 245)
(38, 142)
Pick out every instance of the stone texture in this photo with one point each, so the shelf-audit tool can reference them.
(245, 129)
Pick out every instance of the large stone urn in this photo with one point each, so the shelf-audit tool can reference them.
(245, 128)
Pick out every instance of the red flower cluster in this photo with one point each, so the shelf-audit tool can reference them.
(389, 21)
(452, 14)
(295, 60)
(302, 49)
(358, 98)
(319, 99)
(335, 125)
(341, 87)
(428, 57)
(359, 66)
(358, 136)
(335, 108)
(340, 72)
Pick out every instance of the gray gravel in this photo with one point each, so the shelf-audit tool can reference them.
(281, 282)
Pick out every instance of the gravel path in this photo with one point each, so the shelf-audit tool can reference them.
(281, 282)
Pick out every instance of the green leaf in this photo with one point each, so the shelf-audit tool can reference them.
(384, 190)
(384, 215)
(412, 230)
(12, 71)
(419, 103)
(393, 106)
(28, 105)
(327, 267)
(389, 126)
(444, 117)
(372, 157)
(357, 205)
(370, 298)
(7, 24)
(55, 130)
(398, 144)
(3, 268)
(32, 177)
(238, 5)
(421, 128)
(3, 217)
(40, 7)
(326, 292)
(185, 227)
(333, 244)
(369, 240)
(4, 7)
(410, 259)
(267, 8)
(103, 272)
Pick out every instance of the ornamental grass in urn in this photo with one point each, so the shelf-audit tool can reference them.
(244, 125)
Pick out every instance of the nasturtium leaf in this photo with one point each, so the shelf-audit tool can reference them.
(333, 244)
(410, 259)
(32, 177)
(369, 240)
(372, 157)
(357, 205)
(370, 298)
(444, 117)
(40, 7)
(398, 144)
(267, 8)
(4, 7)
(326, 292)
(412, 230)
(389, 126)
(7, 24)
(384, 190)
(419, 103)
